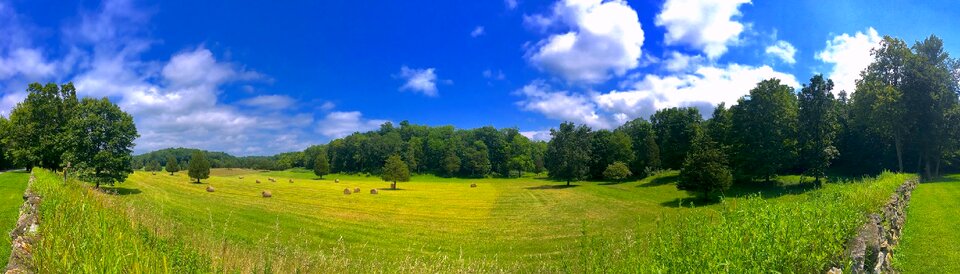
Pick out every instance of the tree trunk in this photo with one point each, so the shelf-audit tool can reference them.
(394, 185)
(899, 149)
(568, 182)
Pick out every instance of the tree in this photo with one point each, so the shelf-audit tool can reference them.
(672, 127)
(764, 130)
(617, 171)
(99, 142)
(705, 169)
(172, 165)
(153, 166)
(476, 161)
(451, 163)
(395, 171)
(413, 153)
(568, 153)
(37, 135)
(651, 154)
(817, 127)
(321, 166)
(199, 167)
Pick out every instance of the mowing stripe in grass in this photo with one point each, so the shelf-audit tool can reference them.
(12, 186)
(930, 240)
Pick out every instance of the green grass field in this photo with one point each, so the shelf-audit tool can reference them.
(443, 225)
(931, 235)
(12, 186)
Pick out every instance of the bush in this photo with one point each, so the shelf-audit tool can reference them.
(705, 170)
(617, 171)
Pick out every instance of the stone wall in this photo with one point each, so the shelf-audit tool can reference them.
(872, 250)
(24, 236)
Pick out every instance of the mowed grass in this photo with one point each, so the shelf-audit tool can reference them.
(930, 241)
(12, 186)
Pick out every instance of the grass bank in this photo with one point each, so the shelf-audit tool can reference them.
(12, 186)
(930, 241)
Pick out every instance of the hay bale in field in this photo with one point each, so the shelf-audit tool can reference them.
(241, 177)
(154, 173)
(258, 181)
(373, 191)
(336, 180)
(272, 180)
(346, 191)
(473, 185)
(356, 190)
(210, 189)
(266, 194)
(291, 181)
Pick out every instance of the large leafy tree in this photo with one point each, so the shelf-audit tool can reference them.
(764, 130)
(98, 141)
(672, 128)
(705, 169)
(395, 170)
(199, 167)
(37, 125)
(645, 148)
(568, 153)
(321, 166)
(817, 126)
(172, 165)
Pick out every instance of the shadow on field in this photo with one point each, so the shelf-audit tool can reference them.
(661, 181)
(765, 190)
(948, 179)
(121, 191)
(542, 187)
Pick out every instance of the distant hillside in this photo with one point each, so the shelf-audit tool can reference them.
(217, 159)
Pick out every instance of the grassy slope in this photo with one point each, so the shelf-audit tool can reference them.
(931, 235)
(431, 223)
(12, 186)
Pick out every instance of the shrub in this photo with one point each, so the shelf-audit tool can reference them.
(617, 171)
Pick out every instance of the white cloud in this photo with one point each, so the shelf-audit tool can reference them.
(849, 54)
(327, 106)
(707, 25)
(677, 61)
(276, 102)
(339, 124)
(494, 75)
(561, 105)
(419, 80)
(511, 4)
(703, 88)
(25, 62)
(784, 51)
(477, 31)
(603, 38)
(537, 135)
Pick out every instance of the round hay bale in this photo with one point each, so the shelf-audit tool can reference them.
(258, 181)
(336, 180)
(154, 173)
(291, 181)
(346, 191)
(473, 185)
(356, 190)
(373, 191)
(209, 189)
(266, 194)
(241, 177)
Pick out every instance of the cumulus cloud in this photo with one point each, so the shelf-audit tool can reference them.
(275, 102)
(339, 124)
(849, 55)
(601, 38)
(783, 50)
(703, 88)
(561, 105)
(477, 31)
(537, 135)
(494, 75)
(511, 4)
(677, 61)
(419, 80)
(707, 25)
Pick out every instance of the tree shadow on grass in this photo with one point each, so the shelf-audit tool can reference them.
(121, 191)
(689, 202)
(543, 187)
(661, 181)
(765, 190)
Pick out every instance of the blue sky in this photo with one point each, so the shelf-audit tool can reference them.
(261, 77)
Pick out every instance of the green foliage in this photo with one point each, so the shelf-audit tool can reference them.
(568, 153)
(321, 164)
(617, 171)
(705, 170)
(172, 165)
(818, 126)
(98, 141)
(395, 171)
(37, 126)
(198, 168)
(153, 166)
(671, 126)
(609, 147)
(451, 163)
(764, 131)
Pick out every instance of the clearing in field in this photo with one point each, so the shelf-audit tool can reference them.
(931, 234)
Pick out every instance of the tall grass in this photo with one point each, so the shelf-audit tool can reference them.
(752, 235)
(83, 231)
